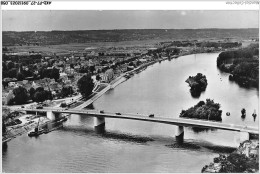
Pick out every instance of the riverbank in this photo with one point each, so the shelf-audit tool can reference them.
(161, 82)
(242, 64)
(127, 75)
(243, 160)
(117, 81)
(29, 122)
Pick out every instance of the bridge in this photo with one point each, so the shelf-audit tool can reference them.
(99, 120)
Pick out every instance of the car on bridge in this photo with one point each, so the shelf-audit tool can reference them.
(118, 113)
(102, 112)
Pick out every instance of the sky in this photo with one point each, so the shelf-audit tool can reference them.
(38, 20)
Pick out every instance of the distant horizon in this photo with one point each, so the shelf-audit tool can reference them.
(72, 20)
(134, 29)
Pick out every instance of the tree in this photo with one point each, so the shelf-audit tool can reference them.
(12, 73)
(83, 69)
(20, 76)
(131, 64)
(55, 74)
(66, 91)
(238, 163)
(20, 95)
(39, 89)
(4, 67)
(98, 77)
(85, 85)
(63, 105)
(3, 127)
(27, 73)
(138, 62)
(5, 84)
(48, 95)
(92, 69)
(5, 49)
(10, 65)
(41, 96)
(32, 92)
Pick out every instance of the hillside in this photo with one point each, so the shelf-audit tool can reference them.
(62, 37)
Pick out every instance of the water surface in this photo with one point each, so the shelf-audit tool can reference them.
(134, 146)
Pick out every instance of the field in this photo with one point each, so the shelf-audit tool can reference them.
(78, 47)
(65, 42)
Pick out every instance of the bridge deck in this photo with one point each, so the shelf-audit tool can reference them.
(173, 121)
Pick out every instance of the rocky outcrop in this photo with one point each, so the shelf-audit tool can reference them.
(243, 160)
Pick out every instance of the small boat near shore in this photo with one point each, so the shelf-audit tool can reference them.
(37, 132)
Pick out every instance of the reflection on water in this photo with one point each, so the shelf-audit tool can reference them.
(135, 146)
(243, 117)
(4, 147)
(199, 130)
(185, 146)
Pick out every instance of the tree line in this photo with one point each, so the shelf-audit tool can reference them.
(20, 95)
(243, 64)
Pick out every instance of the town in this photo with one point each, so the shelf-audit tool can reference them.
(36, 79)
(58, 74)
(130, 91)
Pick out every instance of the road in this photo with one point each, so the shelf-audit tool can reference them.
(157, 119)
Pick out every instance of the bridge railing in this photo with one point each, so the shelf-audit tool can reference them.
(158, 119)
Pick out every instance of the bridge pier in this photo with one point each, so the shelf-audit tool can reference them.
(53, 116)
(50, 115)
(99, 124)
(179, 134)
(243, 136)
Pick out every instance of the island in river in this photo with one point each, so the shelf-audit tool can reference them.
(197, 84)
(205, 111)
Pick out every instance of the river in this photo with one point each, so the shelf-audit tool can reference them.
(134, 146)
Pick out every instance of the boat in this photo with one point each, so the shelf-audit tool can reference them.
(36, 131)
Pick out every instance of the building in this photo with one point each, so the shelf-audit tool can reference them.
(64, 76)
(108, 75)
